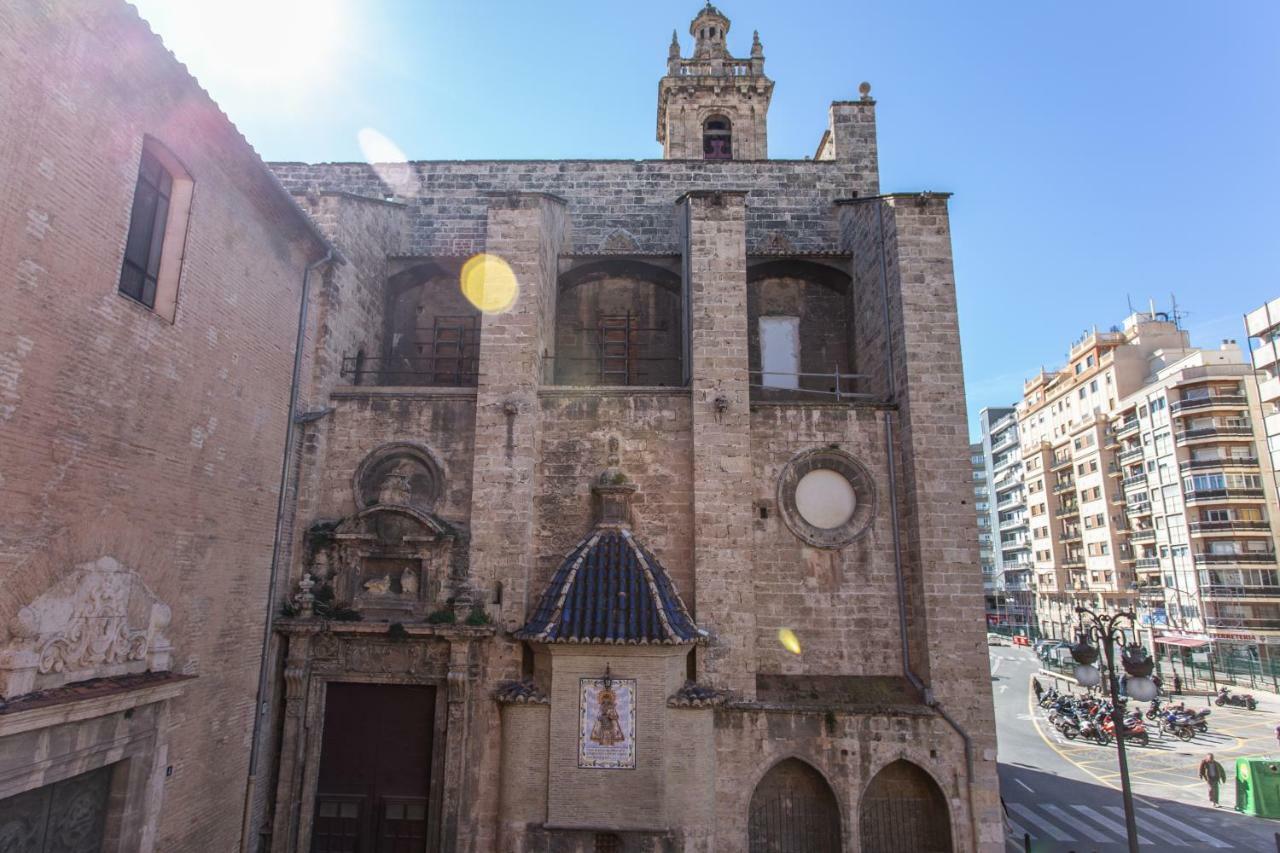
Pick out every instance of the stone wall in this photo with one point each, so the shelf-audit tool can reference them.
(123, 434)
(449, 200)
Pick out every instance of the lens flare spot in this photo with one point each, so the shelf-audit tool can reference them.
(387, 160)
(489, 283)
(789, 640)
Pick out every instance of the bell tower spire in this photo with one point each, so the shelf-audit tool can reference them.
(713, 106)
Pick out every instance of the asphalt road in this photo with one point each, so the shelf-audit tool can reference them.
(1065, 807)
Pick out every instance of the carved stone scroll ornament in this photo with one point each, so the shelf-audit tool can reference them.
(99, 620)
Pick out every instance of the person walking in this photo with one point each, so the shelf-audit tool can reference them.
(1039, 691)
(1212, 773)
(1278, 734)
(1177, 683)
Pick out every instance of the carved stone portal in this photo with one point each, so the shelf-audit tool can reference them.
(100, 620)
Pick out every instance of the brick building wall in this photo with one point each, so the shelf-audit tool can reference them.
(123, 434)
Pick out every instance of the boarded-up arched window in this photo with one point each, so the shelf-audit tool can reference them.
(793, 810)
(904, 811)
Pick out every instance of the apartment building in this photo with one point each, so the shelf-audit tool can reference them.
(1200, 537)
(1007, 518)
(1262, 325)
(1076, 511)
(986, 548)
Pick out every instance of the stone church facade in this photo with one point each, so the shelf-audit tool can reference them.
(584, 523)
(624, 507)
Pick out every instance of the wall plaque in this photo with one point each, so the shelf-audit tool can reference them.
(607, 723)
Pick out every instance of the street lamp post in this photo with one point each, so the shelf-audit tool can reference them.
(1107, 631)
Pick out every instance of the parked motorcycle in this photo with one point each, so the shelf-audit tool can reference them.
(1242, 700)
(1134, 730)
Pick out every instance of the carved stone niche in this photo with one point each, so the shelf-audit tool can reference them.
(100, 620)
(393, 558)
(400, 474)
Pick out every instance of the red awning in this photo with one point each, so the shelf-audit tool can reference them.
(1186, 642)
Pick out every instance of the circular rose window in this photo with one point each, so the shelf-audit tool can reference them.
(826, 497)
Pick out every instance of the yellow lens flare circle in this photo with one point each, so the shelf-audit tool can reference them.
(789, 640)
(489, 283)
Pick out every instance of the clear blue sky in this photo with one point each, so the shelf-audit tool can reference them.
(1095, 149)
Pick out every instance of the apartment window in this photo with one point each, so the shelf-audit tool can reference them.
(1093, 387)
(1082, 392)
(1089, 361)
(157, 231)
(1079, 367)
(1157, 405)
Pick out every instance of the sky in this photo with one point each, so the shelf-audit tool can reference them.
(1098, 152)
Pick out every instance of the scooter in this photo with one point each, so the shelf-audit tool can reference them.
(1243, 700)
(1134, 730)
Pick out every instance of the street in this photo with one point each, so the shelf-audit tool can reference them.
(1066, 795)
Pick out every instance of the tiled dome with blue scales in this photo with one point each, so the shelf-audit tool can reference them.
(609, 588)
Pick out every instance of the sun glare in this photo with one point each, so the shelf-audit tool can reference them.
(489, 283)
(285, 47)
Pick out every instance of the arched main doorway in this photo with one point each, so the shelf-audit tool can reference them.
(904, 811)
(793, 810)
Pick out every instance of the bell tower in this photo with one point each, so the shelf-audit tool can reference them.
(712, 106)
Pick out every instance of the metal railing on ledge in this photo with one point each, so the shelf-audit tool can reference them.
(1146, 563)
(1197, 495)
(1229, 527)
(1143, 508)
(1064, 512)
(1133, 480)
(1059, 462)
(838, 386)
(424, 371)
(1224, 462)
(1129, 455)
(1224, 623)
(1260, 558)
(1145, 535)
(1125, 428)
(1208, 402)
(1067, 486)
(1238, 591)
(1244, 430)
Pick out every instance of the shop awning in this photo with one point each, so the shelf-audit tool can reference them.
(1185, 642)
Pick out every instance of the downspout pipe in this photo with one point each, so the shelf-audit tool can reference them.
(892, 402)
(290, 441)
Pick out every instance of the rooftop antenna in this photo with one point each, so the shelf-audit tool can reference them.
(1129, 299)
(1174, 312)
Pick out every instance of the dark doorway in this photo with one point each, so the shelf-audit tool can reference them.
(794, 811)
(67, 816)
(904, 811)
(375, 769)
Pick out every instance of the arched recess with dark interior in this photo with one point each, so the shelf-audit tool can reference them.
(799, 322)
(619, 322)
(794, 810)
(904, 811)
(431, 333)
(717, 138)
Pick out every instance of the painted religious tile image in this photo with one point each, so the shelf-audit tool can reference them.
(607, 726)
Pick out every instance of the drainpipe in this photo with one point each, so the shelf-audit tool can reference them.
(900, 580)
(290, 439)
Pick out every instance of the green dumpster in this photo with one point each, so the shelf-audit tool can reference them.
(1258, 786)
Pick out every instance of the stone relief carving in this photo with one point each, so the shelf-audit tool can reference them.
(100, 620)
(620, 242)
(400, 474)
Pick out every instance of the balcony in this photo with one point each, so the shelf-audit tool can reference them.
(1252, 559)
(1133, 454)
(1216, 431)
(1242, 623)
(1146, 534)
(1142, 508)
(1211, 495)
(1073, 563)
(1212, 401)
(1059, 463)
(1237, 591)
(1150, 591)
(1223, 462)
(1129, 427)
(1069, 536)
(1062, 487)
(457, 370)
(1208, 528)
(1146, 563)
(1067, 511)
(1011, 523)
(1134, 480)
(1008, 439)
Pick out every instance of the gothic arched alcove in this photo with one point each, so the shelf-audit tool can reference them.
(794, 810)
(904, 811)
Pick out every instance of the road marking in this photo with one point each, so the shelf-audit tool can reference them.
(1088, 831)
(1118, 811)
(996, 665)
(1004, 687)
(1109, 823)
(1035, 819)
(1025, 785)
(1186, 829)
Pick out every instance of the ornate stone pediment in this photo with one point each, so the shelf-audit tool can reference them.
(100, 620)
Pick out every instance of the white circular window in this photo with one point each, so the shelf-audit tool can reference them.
(825, 499)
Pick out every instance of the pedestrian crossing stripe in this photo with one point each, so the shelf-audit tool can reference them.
(1105, 825)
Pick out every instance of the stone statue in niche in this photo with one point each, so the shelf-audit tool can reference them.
(401, 474)
(396, 488)
(378, 586)
(409, 583)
